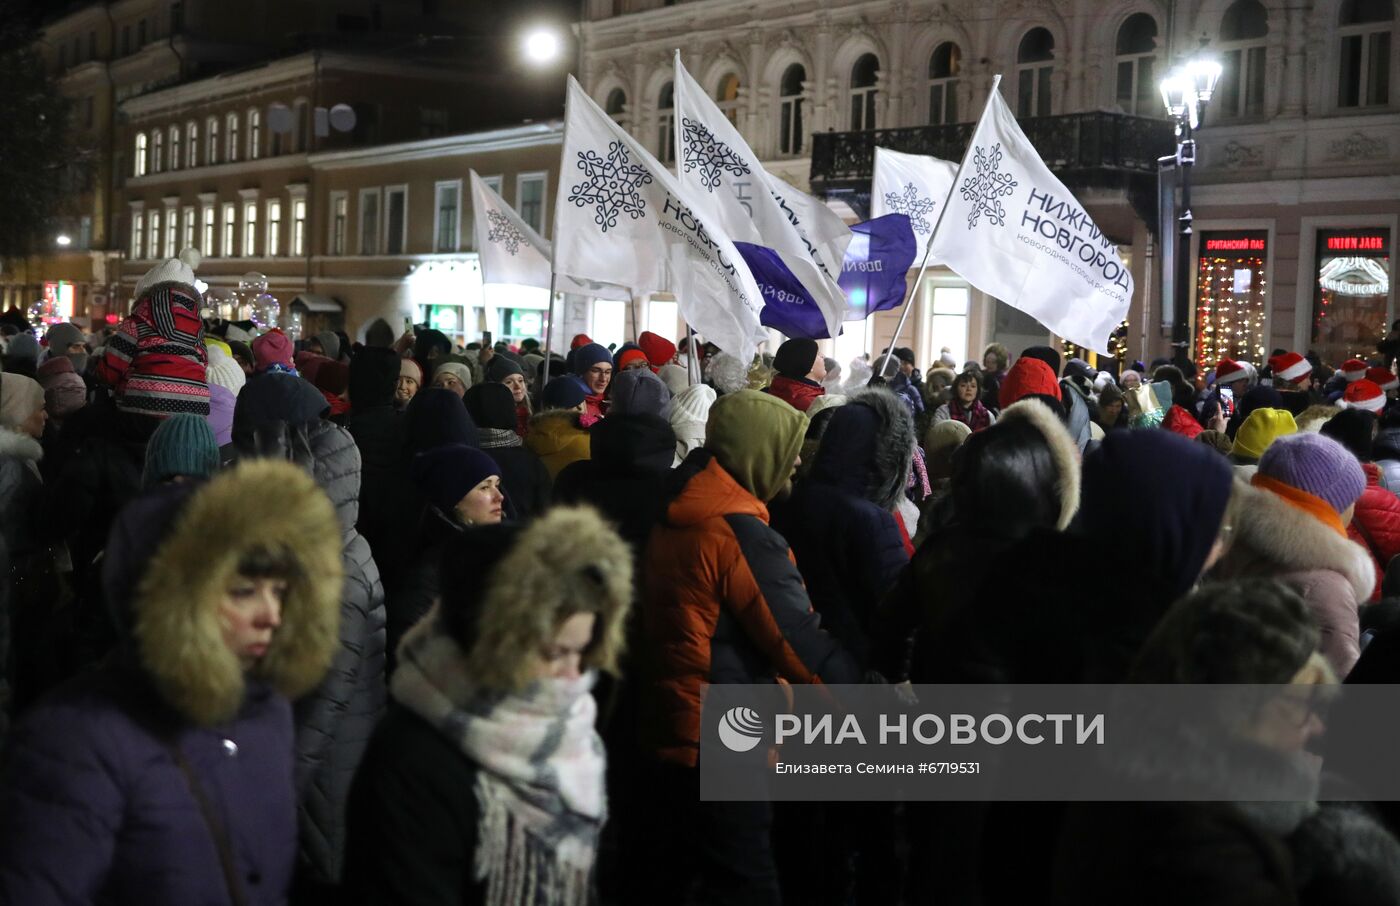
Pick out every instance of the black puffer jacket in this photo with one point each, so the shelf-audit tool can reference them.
(333, 723)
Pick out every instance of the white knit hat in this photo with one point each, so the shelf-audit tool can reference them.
(674, 377)
(224, 371)
(692, 406)
(172, 270)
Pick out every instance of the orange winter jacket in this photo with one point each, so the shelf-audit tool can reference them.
(723, 602)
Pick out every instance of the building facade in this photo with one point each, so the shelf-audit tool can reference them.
(1295, 189)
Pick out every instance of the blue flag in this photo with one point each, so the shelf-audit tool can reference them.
(877, 261)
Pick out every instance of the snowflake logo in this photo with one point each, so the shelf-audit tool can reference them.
(503, 232)
(989, 185)
(911, 205)
(611, 186)
(709, 154)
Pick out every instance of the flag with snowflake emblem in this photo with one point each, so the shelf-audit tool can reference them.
(621, 217)
(915, 185)
(1014, 231)
(774, 232)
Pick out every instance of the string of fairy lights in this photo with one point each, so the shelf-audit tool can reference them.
(1229, 322)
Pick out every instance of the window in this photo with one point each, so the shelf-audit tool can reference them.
(395, 219)
(947, 325)
(85, 232)
(1136, 58)
(1364, 30)
(301, 111)
(663, 317)
(369, 221)
(274, 228)
(494, 182)
(432, 122)
(157, 150)
(609, 321)
(141, 34)
(943, 68)
(138, 156)
(153, 240)
(250, 229)
(790, 110)
(254, 133)
(211, 140)
(727, 97)
(1034, 68)
(191, 144)
(172, 233)
(231, 126)
(206, 239)
(864, 76)
(187, 231)
(299, 226)
(1243, 31)
(138, 234)
(666, 123)
(616, 104)
(230, 229)
(529, 199)
(176, 149)
(448, 195)
(340, 215)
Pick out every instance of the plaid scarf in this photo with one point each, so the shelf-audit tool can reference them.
(540, 765)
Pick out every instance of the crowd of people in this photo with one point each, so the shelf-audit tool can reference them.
(400, 622)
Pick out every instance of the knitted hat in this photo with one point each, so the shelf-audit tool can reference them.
(1216, 440)
(22, 346)
(948, 433)
(674, 377)
(64, 392)
(333, 377)
(177, 272)
(729, 374)
(585, 357)
(222, 405)
(904, 354)
(1383, 378)
(579, 340)
(1030, 376)
(448, 473)
(20, 398)
(1353, 429)
(795, 358)
(1110, 394)
(61, 336)
(563, 392)
(224, 371)
(461, 372)
(330, 344)
(1260, 430)
(1129, 379)
(1354, 369)
(272, 348)
(639, 392)
(1228, 371)
(1045, 354)
(438, 418)
(1316, 465)
(491, 405)
(501, 367)
(692, 406)
(1364, 394)
(308, 363)
(659, 350)
(182, 446)
(409, 369)
(155, 361)
(1290, 367)
(630, 356)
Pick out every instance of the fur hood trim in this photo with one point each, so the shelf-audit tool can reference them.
(20, 446)
(1296, 542)
(894, 449)
(176, 606)
(568, 560)
(1062, 447)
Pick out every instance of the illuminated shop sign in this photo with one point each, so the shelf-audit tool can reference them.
(1236, 244)
(1356, 242)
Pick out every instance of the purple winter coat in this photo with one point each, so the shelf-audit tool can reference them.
(94, 809)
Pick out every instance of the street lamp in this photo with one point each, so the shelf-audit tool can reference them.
(542, 46)
(1186, 91)
(63, 240)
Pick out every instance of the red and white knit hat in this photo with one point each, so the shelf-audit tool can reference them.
(1383, 378)
(1290, 367)
(1364, 394)
(1229, 371)
(1353, 369)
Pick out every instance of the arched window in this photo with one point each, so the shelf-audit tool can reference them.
(231, 128)
(727, 96)
(1364, 29)
(211, 140)
(943, 68)
(616, 104)
(1243, 31)
(192, 143)
(790, 109)
(138, 155)
(254, 133)
(864, 75)
(176, 148)
(1035, 65)
(666, 123)
(301, 126)
(1136, 55)
(157, 150)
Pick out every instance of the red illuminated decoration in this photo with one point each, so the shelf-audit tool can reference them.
(1356, 243)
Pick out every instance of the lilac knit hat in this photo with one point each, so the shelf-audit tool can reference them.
(1317, 465)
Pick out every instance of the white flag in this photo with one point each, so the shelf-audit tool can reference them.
(512, 253)
(819, 225)
(621, 217)
(725, 179)
(915, 185)
(1014, 231)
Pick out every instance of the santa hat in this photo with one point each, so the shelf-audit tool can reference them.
(1290, 367)
(1353, 369)
(1383, 378)
(1229, 371)
(1364, 394)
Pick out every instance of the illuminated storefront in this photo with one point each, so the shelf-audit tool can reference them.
(1231, 309)
(1351, 293)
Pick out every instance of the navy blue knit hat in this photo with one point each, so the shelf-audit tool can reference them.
(585, 357)
(436, 418)
(182, 446)
(446, 474)
(563, 392)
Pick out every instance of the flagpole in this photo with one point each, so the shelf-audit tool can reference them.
(632, 304)
(957, 177)
(548, 334)
(692, 357)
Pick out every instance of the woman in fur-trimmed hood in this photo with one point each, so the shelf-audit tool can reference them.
(164, 777)
(484, 783)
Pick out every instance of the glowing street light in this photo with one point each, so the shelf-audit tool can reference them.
(63, 239)
(542, 46)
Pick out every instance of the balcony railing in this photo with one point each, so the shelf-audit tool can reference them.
(1086, 150)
